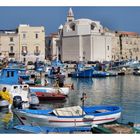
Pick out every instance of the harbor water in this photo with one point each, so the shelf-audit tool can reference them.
(122, 91)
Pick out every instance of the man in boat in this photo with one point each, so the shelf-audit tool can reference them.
(60, 79)
(53, 71)
(58, 70)
(5, 95)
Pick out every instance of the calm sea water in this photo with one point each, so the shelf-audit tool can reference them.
(122, 91)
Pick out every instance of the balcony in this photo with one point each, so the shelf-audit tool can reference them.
(37, 53)
(11, 54)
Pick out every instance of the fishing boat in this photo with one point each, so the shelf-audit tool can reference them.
(137, 73)
(115, 128)
(50, 96)
(62, 90)
(56, 67)
(9, 78)
(12, 76)
(98, 74)
(84, 73)
(54, 76)
(81, 71)
(75, 116)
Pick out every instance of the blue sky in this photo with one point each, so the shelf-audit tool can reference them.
(115, 18)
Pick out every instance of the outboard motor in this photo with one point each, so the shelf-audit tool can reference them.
(33, 101)
(17, 102)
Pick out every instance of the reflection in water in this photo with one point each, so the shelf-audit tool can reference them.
(123, 91)
(6, 119)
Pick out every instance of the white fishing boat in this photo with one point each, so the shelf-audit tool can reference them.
(9, 78)
(19, 92)
(75, 116)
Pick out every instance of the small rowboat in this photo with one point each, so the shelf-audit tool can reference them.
(50, 96)
(75, 116)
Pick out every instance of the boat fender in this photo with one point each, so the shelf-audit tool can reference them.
(88, 117)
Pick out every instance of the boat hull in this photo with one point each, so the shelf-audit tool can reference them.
(82, 74)
(63, 90)
(50, 96)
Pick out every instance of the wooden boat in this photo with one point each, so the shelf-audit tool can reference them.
(62, 90)
(81, 71)
(50, 96)
(114, 128)
(75, 116)
(84, 73)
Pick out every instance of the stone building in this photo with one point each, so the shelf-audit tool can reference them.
(9, 45)
(26, 43)
(31, 43)
(51, 46)
(129, 44)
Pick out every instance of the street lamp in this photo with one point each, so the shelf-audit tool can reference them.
(59, 45)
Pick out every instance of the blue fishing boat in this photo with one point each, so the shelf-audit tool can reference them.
(98, 74)
(12, 76)
(9, 76)
(56, 63)
(56, 68)
(85, 73)
(75, 116)
(81, 71)
(39, 66)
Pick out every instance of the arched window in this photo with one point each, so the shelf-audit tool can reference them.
(36, 36)
(24, 36)
(92, 26)
(37, 49)
(72, 26)
(11, 39)
(108, 48)
(11, 48)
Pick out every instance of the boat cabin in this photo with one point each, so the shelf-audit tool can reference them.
(9, 76)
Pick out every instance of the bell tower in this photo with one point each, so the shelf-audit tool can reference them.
(70, 15)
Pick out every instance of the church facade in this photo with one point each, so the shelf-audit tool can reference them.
(88, 40)
(84, 39)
